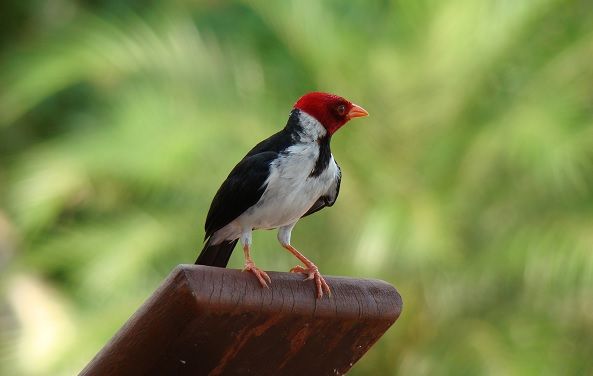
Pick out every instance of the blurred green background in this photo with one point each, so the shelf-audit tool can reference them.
(470, 187)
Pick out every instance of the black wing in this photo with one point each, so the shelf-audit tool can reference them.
(241, 190)
(329, 198)
(245, 184)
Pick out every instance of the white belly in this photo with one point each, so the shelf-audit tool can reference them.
(290, 192)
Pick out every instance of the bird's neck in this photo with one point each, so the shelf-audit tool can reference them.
(304, 128)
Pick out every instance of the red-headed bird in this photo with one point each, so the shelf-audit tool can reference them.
(282, 179)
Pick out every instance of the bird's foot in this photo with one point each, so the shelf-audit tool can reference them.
(313, 273)
(262, 276)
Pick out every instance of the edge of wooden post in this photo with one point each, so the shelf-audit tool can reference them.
(208, 320)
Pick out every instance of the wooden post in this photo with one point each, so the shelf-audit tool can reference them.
(214, 321)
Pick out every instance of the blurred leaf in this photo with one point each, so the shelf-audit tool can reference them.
(469, 187)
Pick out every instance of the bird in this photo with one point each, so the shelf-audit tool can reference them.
(286, 177)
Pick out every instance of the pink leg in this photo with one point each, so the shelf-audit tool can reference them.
(310, 270)
(262, 276)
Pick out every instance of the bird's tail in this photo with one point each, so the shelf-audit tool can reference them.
(216, 255)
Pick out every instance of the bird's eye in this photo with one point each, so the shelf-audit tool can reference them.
(341, 110)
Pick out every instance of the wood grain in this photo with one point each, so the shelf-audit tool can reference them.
(214, 321)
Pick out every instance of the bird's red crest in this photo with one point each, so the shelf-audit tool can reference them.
(332, 111)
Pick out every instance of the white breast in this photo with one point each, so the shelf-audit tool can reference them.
(290, 191)
(290, 188)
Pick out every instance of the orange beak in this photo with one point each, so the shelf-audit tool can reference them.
(357, 111)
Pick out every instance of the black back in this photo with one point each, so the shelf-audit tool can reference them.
(241, 190)
(246, 183)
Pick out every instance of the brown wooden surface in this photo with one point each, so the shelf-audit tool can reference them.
(213, 321)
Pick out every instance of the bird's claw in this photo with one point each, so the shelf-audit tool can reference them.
(313, 273)
(261, 276)
(299, 269)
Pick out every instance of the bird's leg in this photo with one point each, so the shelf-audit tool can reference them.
(310, 270)
(262, 276)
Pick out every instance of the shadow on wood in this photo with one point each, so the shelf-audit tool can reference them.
(213, 321)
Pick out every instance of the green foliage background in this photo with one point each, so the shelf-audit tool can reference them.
(469, 187)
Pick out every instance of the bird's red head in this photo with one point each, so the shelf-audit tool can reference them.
(330, 110)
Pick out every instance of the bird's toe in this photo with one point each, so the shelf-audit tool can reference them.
(299, 269)
(261, 276)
